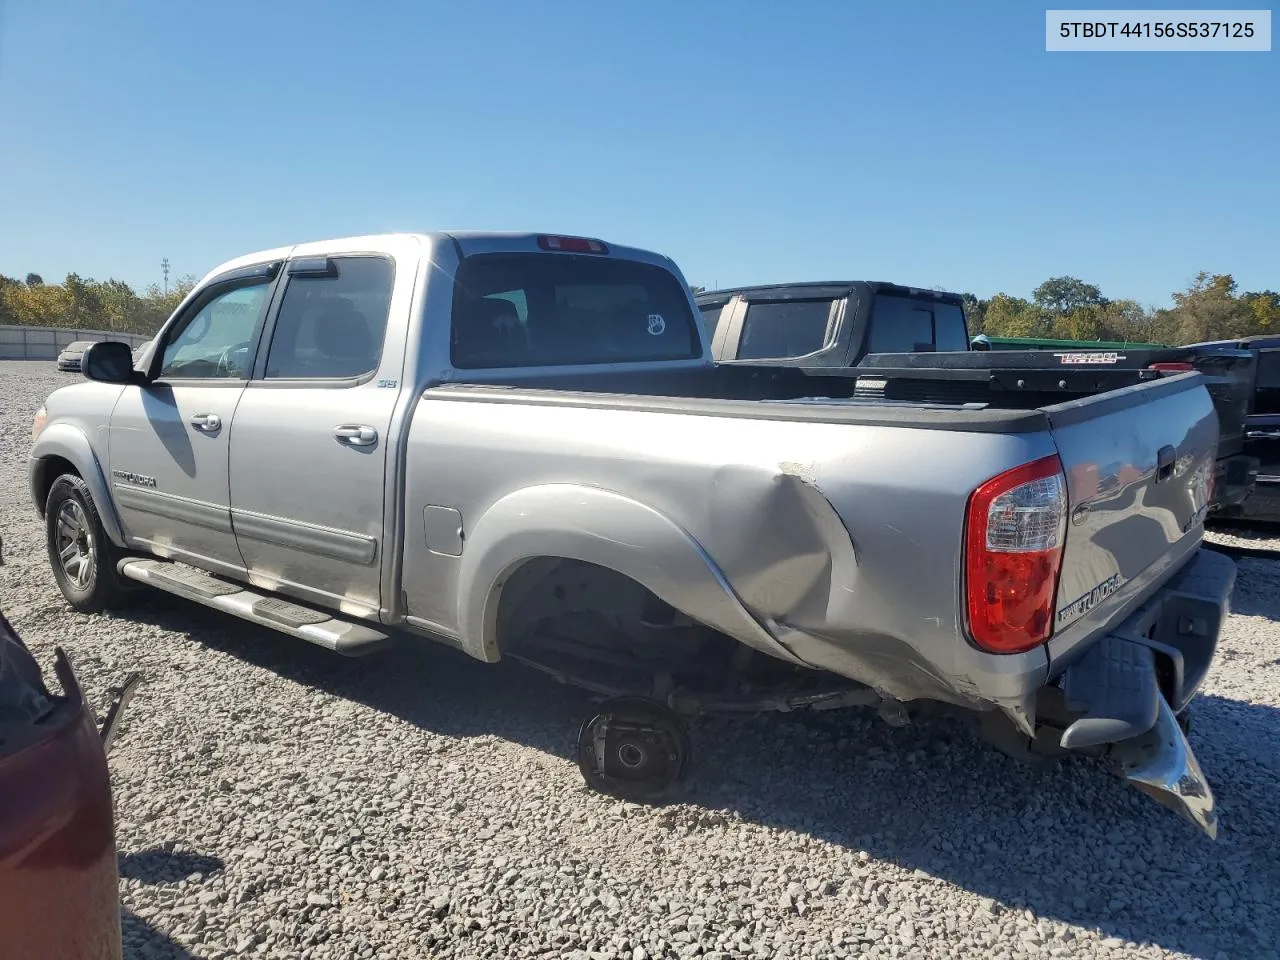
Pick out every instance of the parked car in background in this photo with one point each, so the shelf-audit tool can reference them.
(59, 885)
(69, 358)
(519, 446)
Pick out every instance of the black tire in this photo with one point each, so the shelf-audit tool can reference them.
(81, 555)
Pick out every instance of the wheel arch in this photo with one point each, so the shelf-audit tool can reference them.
(62, 448)
(562, 521)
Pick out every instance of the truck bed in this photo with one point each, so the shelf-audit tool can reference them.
(776, 490)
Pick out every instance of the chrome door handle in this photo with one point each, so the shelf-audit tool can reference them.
(1262, 435)
(207, 422)
(355, 435)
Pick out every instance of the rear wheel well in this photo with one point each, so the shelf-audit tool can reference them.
(547, 588)
(598, 629)
(49, 470)
(602, 630)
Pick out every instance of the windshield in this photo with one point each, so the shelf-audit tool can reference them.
(517, 310)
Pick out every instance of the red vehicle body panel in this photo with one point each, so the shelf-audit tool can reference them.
(59, 885)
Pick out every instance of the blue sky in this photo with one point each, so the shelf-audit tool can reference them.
(934, 144)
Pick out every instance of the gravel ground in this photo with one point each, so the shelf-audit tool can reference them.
(276, 801)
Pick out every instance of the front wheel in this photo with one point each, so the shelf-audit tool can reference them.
(82, 557)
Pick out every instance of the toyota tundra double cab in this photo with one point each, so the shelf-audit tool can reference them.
(519, 445)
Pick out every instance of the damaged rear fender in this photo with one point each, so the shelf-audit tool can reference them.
(573, 522)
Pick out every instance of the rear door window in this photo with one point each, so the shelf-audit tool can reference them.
(781, 329)
(907, 325)
(520, 310)
(331, 327)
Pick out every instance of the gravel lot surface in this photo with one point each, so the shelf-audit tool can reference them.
(276, 801)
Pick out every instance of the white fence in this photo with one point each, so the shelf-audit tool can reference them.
(45, 343)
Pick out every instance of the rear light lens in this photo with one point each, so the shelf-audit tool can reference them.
(1171, 367)
(1015, 530)
(571, 244)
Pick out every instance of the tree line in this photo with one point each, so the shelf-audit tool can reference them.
(86, 304)
(1210, 308)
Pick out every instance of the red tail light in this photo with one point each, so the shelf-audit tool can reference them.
(1015, 530)
(571, 244)
(1171, 367)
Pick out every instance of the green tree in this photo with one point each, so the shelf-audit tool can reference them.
(1210, 310)
(1064, 294)
(84, 301)
(119, 306)
(1008, 316)
(34, 280)
(1264, 311)
(974, 313)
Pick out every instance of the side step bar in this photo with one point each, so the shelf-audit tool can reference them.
(341, 636)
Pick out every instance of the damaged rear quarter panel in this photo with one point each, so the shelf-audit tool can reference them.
(842, 539)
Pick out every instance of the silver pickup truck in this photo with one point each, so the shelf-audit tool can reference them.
(517, 445)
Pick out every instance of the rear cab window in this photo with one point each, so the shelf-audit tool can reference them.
(556, 309)
(903, 324)
(778, 329)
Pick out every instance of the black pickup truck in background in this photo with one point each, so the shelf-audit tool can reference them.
(830, 324)
(1262, 423)
(913, 344)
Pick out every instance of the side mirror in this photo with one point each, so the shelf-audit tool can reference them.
(109, 361)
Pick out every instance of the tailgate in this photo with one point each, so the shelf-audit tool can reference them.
(1139, 466)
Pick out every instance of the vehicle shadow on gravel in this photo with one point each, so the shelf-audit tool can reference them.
(1065, 841)
(141, 939)
(165, 866)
